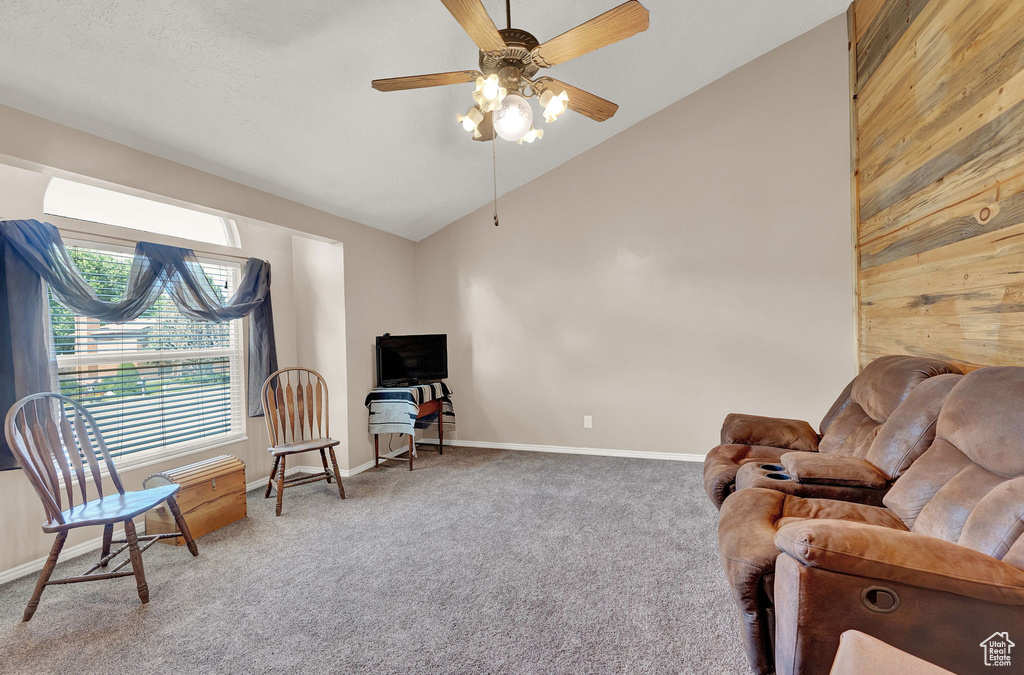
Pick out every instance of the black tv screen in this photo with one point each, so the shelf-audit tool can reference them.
(411, 359)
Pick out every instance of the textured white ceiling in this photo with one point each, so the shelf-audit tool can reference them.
(276, 94)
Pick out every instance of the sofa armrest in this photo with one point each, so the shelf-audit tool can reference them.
(813, 467)
(771, 431)
(902, 557)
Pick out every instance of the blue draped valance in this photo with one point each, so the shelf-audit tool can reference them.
(33, 256)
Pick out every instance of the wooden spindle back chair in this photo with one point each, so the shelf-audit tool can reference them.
(58, 444)
(53, 439)
(295, 404)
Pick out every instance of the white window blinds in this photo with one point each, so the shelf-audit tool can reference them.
(159, 383)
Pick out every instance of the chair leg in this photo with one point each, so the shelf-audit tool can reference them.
(280, 485)
(440, 431)
(108, 534)
(270, 481)
(334, 463)
(136, 556)
(44, 576)
(179, 519)
(323, 460)
(412, 448)
(376, 450)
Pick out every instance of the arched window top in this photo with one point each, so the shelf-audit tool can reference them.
(69, 199)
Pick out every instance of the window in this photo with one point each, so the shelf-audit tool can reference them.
(86, 202)
(161, 384)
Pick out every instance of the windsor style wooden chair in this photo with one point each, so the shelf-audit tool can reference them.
(295, 402)
(57, 441)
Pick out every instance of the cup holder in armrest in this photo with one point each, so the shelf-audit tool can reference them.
(777, 476)
(773, 467)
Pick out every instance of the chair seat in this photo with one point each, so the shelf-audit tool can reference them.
(113, 508)
(303, 446)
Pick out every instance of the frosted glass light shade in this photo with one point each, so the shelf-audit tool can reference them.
(514, 118)
(553, 105)
(531, 136)
(489, 93)
(471, 120)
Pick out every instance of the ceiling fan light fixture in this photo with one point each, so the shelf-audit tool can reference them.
(531, 136)
(471, 120)
(554, 105)
(489, 93)
(511, 57)
(514, 119)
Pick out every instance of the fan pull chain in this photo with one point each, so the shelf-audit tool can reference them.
(494, 163)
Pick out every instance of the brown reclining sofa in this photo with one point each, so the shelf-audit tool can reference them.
(868, 438)
(935, 573)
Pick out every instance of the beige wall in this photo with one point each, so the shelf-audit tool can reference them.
(318, 271)
(695, 264)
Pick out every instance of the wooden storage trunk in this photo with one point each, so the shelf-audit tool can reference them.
(212, 495)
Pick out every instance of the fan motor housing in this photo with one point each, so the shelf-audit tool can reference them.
(518, 45)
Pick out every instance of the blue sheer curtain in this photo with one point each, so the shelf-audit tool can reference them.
(33, 257)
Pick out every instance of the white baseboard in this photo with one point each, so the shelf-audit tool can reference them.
(568, 450)
(562, 449)
(369, 465)
(262, 481)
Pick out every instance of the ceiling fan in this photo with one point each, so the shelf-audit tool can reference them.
(510, 59)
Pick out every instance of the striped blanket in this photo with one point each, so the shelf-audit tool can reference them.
(394, 410)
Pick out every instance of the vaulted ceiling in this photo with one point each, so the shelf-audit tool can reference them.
(276, 94)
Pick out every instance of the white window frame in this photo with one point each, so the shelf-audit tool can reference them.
(237, 369)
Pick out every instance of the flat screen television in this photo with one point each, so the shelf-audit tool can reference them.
(411, 359)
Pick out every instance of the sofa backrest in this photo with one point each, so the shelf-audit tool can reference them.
(910, 429)
(968, 487)
(858, 416)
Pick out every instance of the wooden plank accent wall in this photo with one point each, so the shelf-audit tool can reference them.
(939, 180)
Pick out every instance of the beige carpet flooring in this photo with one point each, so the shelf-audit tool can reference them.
(480, 561)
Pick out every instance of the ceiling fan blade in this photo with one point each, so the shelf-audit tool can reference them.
(420, 81)
(475, 20)
(583, 102)
(486, 128)
(624, 21)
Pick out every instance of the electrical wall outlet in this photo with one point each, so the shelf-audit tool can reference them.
(588, 422)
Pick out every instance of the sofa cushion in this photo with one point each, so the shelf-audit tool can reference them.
(886, 382)
(968, 487)
(910, 429)
(875, 395)
(984, 421)
(918, 485)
